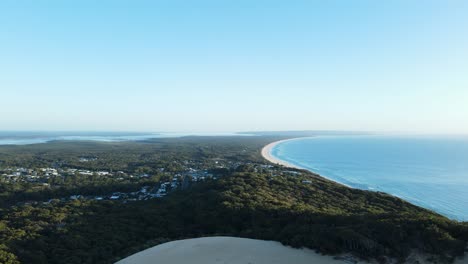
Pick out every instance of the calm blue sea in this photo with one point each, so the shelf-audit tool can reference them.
(431, 172)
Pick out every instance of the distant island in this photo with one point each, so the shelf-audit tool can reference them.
(100, 202)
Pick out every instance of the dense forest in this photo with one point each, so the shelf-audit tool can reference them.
(248, 197)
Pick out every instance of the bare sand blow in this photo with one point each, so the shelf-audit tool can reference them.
(226, 250)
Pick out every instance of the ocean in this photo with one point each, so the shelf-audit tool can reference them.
(431, 172)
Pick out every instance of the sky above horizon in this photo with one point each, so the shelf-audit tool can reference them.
(218, 66)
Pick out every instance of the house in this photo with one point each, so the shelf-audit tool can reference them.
(85, 172)
(144, 189)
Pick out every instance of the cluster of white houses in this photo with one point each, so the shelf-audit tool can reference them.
(181, 180)
(42, 175)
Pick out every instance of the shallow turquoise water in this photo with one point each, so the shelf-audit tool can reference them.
(431, 172)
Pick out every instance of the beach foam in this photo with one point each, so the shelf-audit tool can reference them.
(266, 153)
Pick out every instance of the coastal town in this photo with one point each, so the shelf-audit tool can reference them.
(146, 186)
(49, 177)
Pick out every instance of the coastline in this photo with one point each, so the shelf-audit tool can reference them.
(266, 154)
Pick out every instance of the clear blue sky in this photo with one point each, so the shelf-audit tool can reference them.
(234, 65)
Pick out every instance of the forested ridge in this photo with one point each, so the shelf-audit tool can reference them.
(249, 198)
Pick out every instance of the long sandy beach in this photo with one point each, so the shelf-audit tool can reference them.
(266, 153)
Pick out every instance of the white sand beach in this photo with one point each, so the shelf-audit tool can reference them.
(226, 250)
(266, 153)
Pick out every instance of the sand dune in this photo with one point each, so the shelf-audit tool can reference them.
(226, 250)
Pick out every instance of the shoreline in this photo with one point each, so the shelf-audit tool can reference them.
(266, 154)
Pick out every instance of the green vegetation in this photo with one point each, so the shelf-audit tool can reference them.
(249, 198)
